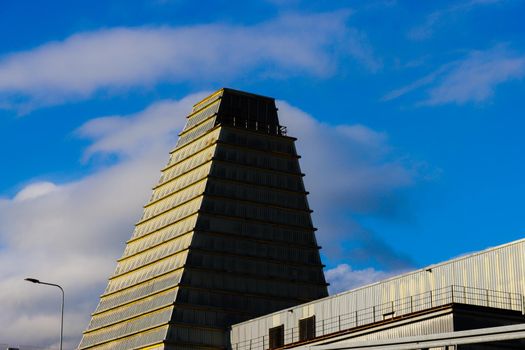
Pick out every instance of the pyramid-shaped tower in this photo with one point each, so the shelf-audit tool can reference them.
(226, 236)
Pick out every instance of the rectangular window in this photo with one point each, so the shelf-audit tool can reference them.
(276, 337)
(307, 328)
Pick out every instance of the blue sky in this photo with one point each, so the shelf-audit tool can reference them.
(409, 116)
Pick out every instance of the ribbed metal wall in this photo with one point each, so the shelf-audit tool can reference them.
(500, 269)
(432, 325)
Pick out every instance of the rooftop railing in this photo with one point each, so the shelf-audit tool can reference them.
(270, 129)
(394, 309)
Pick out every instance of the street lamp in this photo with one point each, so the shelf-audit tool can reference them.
(34, 280)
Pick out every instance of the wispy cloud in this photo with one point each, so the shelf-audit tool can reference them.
(122, 58)
(360, 175)
(35, 190)
(343, 277)
(437, 18)
(127, 136)
(472, 79)
(72, 233)
(359, 47)
(422, 82)
(475, 78)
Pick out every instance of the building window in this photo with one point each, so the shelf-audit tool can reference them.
(307, 328)
(276, 337)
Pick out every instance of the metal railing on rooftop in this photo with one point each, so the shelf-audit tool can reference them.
(271, 129)
(393, 309)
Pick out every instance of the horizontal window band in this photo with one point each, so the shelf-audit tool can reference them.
(256, 203)
(160, 184)
(149, 204)
(149, 264)
(208, 308)
(133, 301)
(193, 127)
(203, 129)
(206, 102)
(269, 170)
(214, 159)
(149, 345)
(207, 133)
(205, 148)
(278, 224)
(277, 154)
(187, 165)
(257, 277)
(246, 183)
(138, 292)
(280, 243)
(233, 236)
(141, 282)
(195, 196)
(130, 318)
(192, 179)
(265, 297)
(131, 334)
(256, 258)
(185, 233)
(200, 210)
(293, 301)
(161, 228)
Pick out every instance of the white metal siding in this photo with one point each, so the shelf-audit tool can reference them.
(501, 269)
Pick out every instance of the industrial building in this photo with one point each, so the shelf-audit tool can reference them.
(477, 291)
(225, 257)
(226, 236)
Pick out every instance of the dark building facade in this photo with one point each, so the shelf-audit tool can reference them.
(226, 236)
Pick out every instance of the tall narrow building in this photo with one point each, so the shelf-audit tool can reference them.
(226, 236)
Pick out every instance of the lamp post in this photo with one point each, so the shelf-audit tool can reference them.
(34, 280)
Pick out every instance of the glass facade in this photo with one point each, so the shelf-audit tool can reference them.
(226, 236)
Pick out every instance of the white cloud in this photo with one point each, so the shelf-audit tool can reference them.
(343, 277)
(471, 79)
(422, 82)
(354, 157)
(72, 233)
(475, 78)
(362, 51)
(35, 190)
(436, 18)
(350, 169)
(129, 135)
(122, 58)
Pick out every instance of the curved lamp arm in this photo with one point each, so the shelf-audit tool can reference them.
(34, 280)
